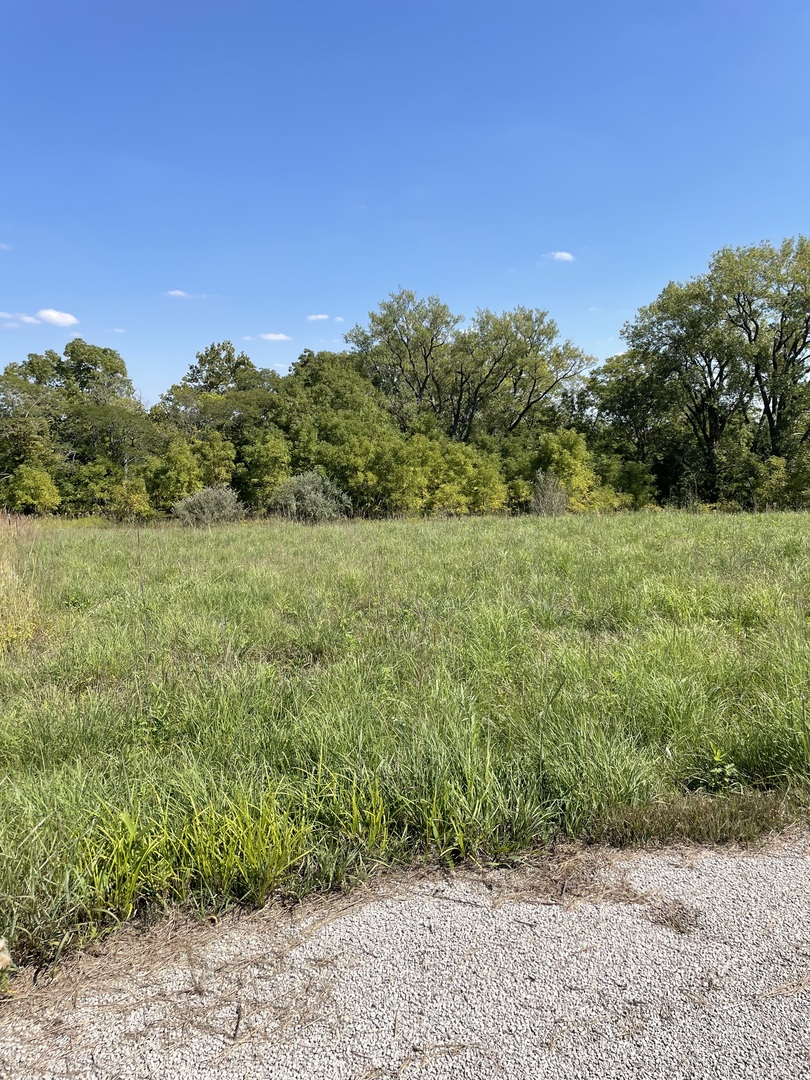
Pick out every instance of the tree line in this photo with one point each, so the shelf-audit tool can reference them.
(428, 413)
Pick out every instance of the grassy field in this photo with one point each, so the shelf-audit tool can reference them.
(212, 716)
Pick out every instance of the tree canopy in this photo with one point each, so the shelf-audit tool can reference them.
(428, 412)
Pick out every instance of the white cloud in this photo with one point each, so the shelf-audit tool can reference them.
(339, 318)
(10, 325)
(5, 247)
(118, 330)
(56, 318)
(44, 315)
(275, 337)
(316, 318)
(18, 318)
(181, 294)
(560, 256)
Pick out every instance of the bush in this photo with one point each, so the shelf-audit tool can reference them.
(30, 489)
(130, 502)
(548, 495)
(209, 506)
(565, 455)
(311, 498)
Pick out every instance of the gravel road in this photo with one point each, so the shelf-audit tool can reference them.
(677, 963)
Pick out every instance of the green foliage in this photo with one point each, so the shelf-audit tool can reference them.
(174, 475)
(220, 369)
(310, 498)
(470, 483)
(764, 291)
(720, 775)
(30, 490)
(216, 457)
(772, 485)
(781, 483)
(129, 501)
(264, 467)
(224, 392)
(88, 488)
(717, 379)
(633, 481)
(366, 462)
(519, 495)
(493, 375)
(24, 440)
(436, 415)
(565, 456)
(439, 477)
(210, 506)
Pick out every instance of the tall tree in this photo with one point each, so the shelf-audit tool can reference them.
(222, 391)
(631, 403)
(765, 290)
(404, 348)
(219, 368)
(70, 411)
(493, 375)
(685, 343)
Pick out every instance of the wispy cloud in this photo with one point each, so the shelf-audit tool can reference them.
(339, 318)
(559, 256)
(275, 337)
(44, 315)
(56, 318)
(5, 247)
(181, 294)
(316, 318)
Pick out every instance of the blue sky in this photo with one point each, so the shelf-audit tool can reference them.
(275, 162)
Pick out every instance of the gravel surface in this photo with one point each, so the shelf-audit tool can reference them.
(678, 963)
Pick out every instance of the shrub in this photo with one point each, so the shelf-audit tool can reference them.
(130, 502)
(565, 454)
(209, 506)
(174, 476)
(548, 495)
(30, 489)
(311, 498)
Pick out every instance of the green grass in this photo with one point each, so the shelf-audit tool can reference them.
(209, 717)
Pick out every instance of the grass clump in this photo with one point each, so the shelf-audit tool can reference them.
(549, 497)
(311, 498)
(217, 505)
(211, 717)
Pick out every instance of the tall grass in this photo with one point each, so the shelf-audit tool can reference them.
(211, 717)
